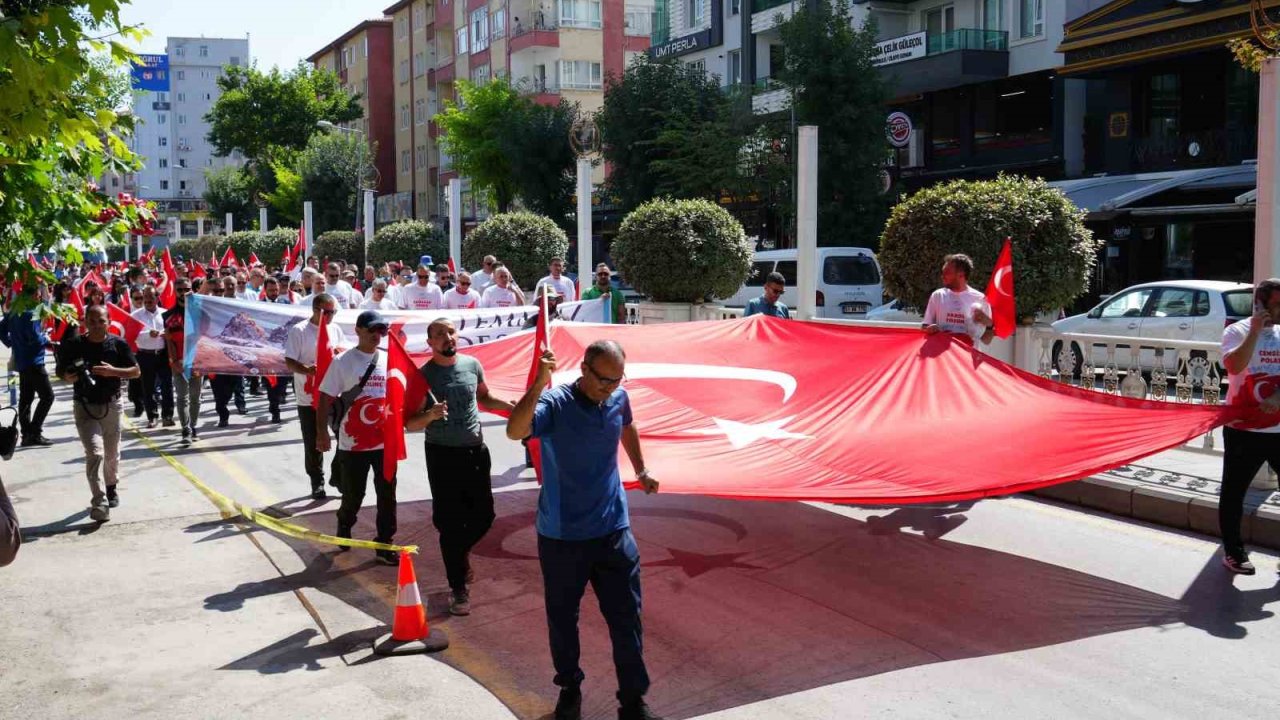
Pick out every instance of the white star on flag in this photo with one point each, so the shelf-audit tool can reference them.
(741, 435)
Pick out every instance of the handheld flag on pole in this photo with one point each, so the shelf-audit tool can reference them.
(541, 343)
(1000, 293)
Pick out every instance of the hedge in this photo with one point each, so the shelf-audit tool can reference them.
(523, 241)
(407, 241)
(682, 250)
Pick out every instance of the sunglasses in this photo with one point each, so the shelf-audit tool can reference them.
(606, 381)
(424, 277)
(488, 264)
(381, 330)
(330, 313)
(464, 283)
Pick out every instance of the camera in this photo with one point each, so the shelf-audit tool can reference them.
(84, 378)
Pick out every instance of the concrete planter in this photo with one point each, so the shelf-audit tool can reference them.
(654, 313)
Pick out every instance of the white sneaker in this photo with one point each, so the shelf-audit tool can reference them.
(99, 514)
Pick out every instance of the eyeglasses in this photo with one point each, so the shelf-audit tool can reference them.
(488, 264)
(181, 290)
(378, 330)
(330, 312)
(603, 274)
(332, 277)
(424, 277)
(464, 283)
(606, 381)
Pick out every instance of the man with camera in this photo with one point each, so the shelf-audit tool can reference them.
(96, 362)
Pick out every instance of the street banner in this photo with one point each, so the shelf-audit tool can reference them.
(770, 409)
(244, 337)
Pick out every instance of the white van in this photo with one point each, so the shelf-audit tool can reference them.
(849, 281)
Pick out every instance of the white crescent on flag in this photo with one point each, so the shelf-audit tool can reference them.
(648, 371)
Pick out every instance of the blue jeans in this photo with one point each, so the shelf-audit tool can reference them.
(612, 565)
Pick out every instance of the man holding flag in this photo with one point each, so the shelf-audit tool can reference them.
(957, 308)
(458, 461)
(300, 355)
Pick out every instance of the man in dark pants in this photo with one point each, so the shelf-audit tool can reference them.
(25, 335)
(584, 531)
(1251, 355)
(458, 461)
(300, 357)
(358, 380)
(153, 359)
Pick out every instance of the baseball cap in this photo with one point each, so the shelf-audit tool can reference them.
(370, 319)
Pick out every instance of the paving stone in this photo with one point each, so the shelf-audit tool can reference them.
(1163, 506)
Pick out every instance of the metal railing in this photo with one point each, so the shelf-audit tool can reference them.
(762, 5)
(967, 39)
(538, 25)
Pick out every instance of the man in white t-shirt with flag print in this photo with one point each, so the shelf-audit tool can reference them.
(957, 308)
(422, 294)
(558, 281)
(463, 296)
(503, 292)
(300, 357)
(357, 382)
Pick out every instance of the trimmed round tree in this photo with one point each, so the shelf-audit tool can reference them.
(1053, 252)
(682, 251)
(407, 241)
(341, 245)
(523, 241)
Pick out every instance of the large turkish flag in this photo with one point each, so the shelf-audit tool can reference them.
(774, 409)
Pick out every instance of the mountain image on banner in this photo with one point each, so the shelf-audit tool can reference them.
(241, 329)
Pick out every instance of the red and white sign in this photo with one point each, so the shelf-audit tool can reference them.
(898, 129)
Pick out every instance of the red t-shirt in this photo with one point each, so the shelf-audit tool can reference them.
(175, 325)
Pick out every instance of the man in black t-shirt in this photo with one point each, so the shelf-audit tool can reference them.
(96, 363)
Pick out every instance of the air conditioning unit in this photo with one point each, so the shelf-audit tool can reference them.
(915, 149)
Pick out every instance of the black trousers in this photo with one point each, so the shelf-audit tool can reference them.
(1244, 451)
(612, 565)
(157, 378)
(312, 459)
(355, 467)
(461, 504)
(224, 387)
(275, 393)
(32, 382)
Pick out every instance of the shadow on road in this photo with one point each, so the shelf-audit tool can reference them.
(68, 524)
(296, 653)
(1214, 604)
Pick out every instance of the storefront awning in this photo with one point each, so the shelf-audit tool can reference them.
(1107, 196)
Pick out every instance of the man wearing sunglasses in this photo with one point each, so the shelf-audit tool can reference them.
(604, 286)
(770, 303)
(463, 296)
(338, 289)
(378, 299)
(422, 294)
(358, 380)
(186, 390)
(484, 278)
(300, 357)
(584, 530)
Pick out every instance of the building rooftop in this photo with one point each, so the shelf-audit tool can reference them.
(363, 25)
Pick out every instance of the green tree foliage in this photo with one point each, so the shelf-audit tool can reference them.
(835, 86)
(524, 242)
(407, 241)
(1053, 252)
(258, 111)
(331, 169)
(682, 250)
(60, 127)
(230, 190)
(536, 139)
(472, 135)
(665, 130)
(287, 197)
(341, 245)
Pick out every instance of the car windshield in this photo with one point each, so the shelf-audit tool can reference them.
(760, 270)
(850, 270)
(1239, 303)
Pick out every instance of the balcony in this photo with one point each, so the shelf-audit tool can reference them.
(539, 34)
(951, 59)
(769, 96)
(766, 14)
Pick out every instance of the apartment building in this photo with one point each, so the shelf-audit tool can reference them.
(171, 93)
(362, 59)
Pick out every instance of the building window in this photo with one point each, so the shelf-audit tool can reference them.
(204, 51)
(695, 13)
(164, 163)
(735, 67)
(235, 60)
(182, 97)
(940, 20)
(1013, 113)
(182, 119)
(162, 97)
(161, 119)
(1031, 18)
(404, 71)
(164, 141)
(580, 75)
(422, 156)
(401, 28)
(182, 162)
(182, 184)
(1164, 98)
(581, 13)
(480, 74)
(498, 23)
(365, 46)
(461, 44)
(164, 184)
(419, 111)
(700, 65)
(115, 181)
(404, 161)
(182, 74)
(479, 30)
(180, 51)
(638, 20)
(735, 7)
(404, 116)
(419, 16)
(993, 14)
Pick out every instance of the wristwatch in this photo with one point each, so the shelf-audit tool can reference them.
(644, 475)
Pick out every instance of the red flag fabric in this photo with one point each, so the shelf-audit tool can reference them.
(253, 259)
(168, 296)
(406, 389)
(124, 325)
(324, 358)
(299, 249)
(126, 303)
(1000, 293)
(197, 271)
(763, 408)
(213, 259)
(229, 258)
(541, 343)
(453, 268)
(73, 297)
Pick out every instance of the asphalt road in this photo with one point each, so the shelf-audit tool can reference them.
(1008, 608)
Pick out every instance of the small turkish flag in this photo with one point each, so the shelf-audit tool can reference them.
(406, 389)
(541, 343)
(124, 325)
(324, 358)
(168, 294)
(229, 258)
(253, 259)
(1000, 293)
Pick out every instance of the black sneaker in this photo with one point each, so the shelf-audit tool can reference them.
(345, 535)
(1238, 564)
(194, 435)
(151, 423)
(138, 410)
(224, 422)
(275, 418)
(386, 557)
(460, 603)
(569, 706)
(113, 498)
(318, 493)
(636, 711)
(168, 422)
(186, 434)
(242, 409)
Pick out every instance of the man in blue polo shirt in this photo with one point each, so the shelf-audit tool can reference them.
(584, 531)
(770, 303)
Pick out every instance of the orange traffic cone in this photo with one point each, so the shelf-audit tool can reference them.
(410, 632)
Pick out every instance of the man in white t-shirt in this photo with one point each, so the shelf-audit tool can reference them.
(357, 380)
(422, 294)
(463, 296)
(558, 281)
(1251, 355)
(957, 308)
(340, 290)
(483, 279)
(300, 357)
(503, 292)
(153, 359)
(378, 299)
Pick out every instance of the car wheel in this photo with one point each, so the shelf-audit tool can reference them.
(1070, 357)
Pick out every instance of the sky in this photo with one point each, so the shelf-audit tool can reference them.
(281, 32)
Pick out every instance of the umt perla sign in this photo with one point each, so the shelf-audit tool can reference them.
(899, 49)
(701, 40)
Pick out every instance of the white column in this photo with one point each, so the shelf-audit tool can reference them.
(307, 230)
(126, 250)
(230, 224)
(199, 227)
(370, 219)
(262, 220)
(1266, 233)
(177, 229)
(455, 221)
(139, 241)
(807, 223)
(585, 267)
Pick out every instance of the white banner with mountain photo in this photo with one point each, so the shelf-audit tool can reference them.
(243, 337)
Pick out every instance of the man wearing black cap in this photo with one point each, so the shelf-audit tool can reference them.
(356, 387)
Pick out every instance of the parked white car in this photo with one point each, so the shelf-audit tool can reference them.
(849, 281)
(1195, 310)
(895, 311)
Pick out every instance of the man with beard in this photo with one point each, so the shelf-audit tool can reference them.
(186, 390)
(458, 462)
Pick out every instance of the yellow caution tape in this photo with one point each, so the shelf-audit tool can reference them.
(230, 508)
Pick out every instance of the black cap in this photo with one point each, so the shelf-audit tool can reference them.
(371, 319)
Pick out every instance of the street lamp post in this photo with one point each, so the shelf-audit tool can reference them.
(326, 125)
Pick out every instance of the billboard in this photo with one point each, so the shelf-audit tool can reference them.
(150, 72)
